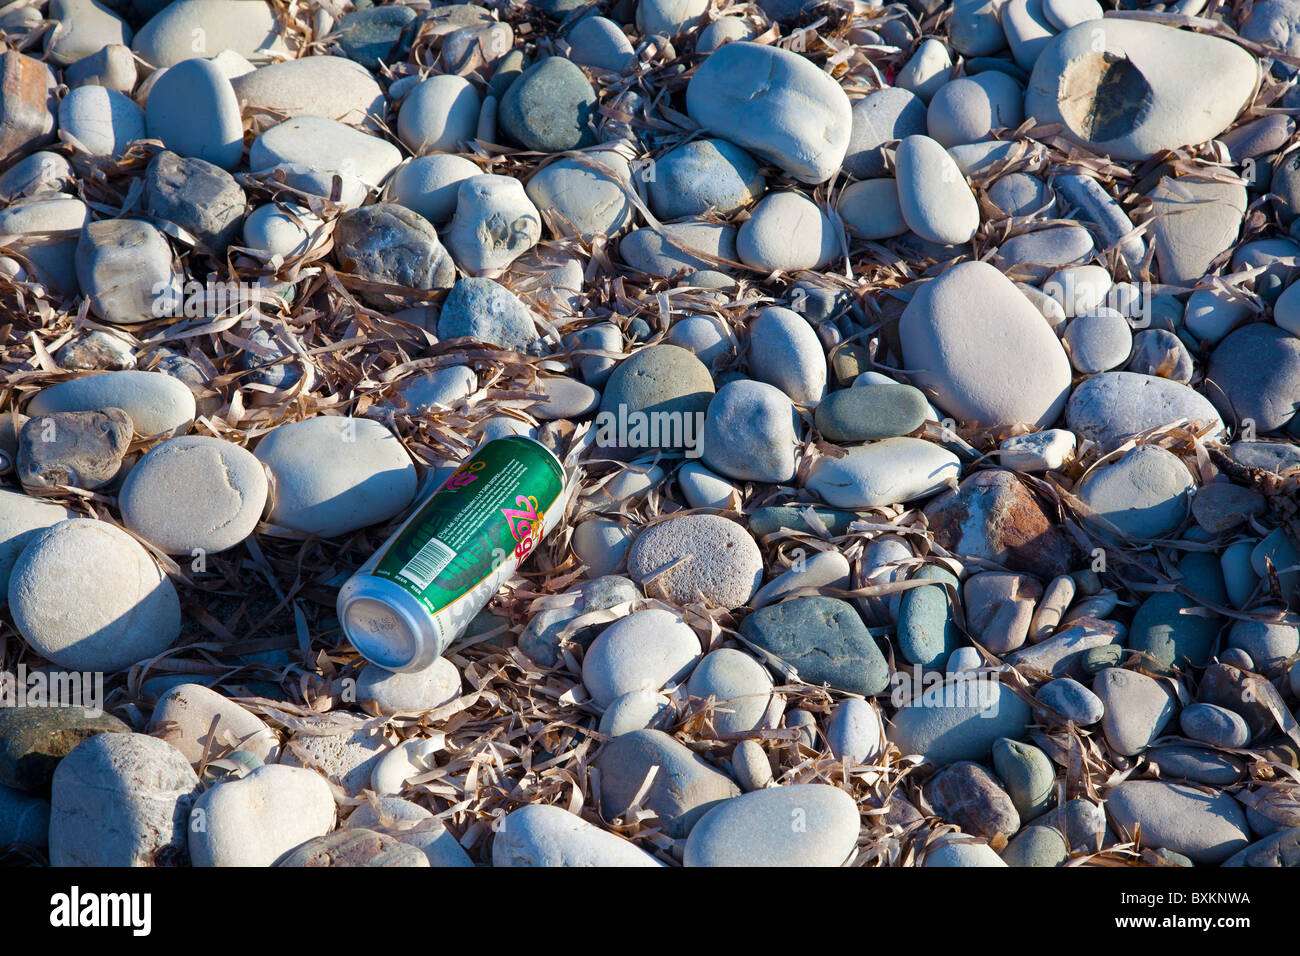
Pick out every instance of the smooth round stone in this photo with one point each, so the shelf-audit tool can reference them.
(749, 432)
(566, 399)
(1112, 407)
(678, 246)
(255, 819)
(584, 196)
(1207, 828)
(961, 852)
(1162, 629)
(927, 632)
(936, 201)
(867, 412)
(669, 18)
(784, 351)
(601, 544)
(720, 31)
(495, 223)
(323, 145)
(967, 795)
(599, 43)
(776, 105)
(974, 30)
(193, 110)
(1020, 194)
(602, 337)
(929, 68)
(1214, 725)
(439, 115)
(644, 651)
(1278, 457)
(547, 835)
(388, 243)
(409, 692)
(704, 489)
(280, 232)
(881, 117)
(125, 266)
(1210, 315)
(635, 710)
(786, 232)
(1079, 289)
(486, 311)
(1144, 494)
(23, 819)
(952, 723)
(1028, 776)
(755, 829)
(871, 209)
(1195, 764)
(1269, 644)
(1279, 850)
(443, 387)
(408, 760)
(703, 174)
(100, 121)
(1036, 254)
(22, 518)
(709, 337)
(127, 609)
(368, 478)
(1063, 14)
(854, 732)
(1286, 310)
(158, 404)
(973, 318)
(723, 565)
(1072, 700)
(825, 569)
(1161, 353)
(1036, 846)
(969, 109)
(963, 659)
(355, 846)
(185, 717)
(1137, 709)
(213, 26)
(1256, 376)
(1038, 451)
(1098, 341)
(1130, 88)
(1220, 506)
(684, 787)
(1194, 222)
(34, 738)
(888, 472)
(332, 87)
(372, 35)
(740, 686)
(999, 608)
(821, 640)
(121, 800)
(40, 172)
(660, 379)
(750, 766)
(84, 28)
(195, 492)
(550, 108)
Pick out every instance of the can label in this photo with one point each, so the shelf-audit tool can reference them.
(489, 512)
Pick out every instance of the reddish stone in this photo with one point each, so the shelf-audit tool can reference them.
(993, 516)
(26, 105)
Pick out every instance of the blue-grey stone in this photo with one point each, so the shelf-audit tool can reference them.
(482, 309)
(824, 640)
(927, 633)
(958, 721)
(551, 107)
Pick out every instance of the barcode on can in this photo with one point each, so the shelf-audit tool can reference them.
(427, 563)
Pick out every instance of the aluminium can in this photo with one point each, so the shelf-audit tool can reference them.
(420, 590)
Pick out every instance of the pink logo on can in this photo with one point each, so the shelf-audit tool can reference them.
(525, 524)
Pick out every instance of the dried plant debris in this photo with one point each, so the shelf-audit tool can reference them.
(925, 381)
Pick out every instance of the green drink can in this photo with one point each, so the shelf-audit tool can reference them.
(419, 591)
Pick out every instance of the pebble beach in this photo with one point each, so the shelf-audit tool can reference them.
(924, 378)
